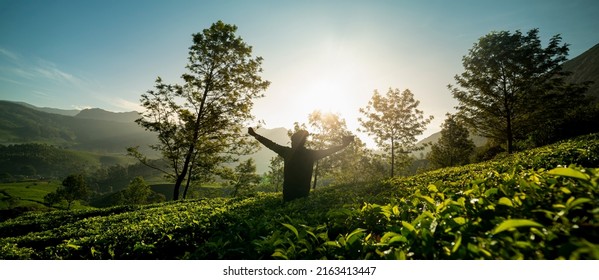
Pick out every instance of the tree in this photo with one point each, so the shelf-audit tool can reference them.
(327, 129)
(199, 124)
(73, 188)
(137, 192)
(275, 172)
(508, 79)
(454, 147)
(244, 179)
(394, 120)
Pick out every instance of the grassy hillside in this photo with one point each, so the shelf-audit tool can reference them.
(538, 204)
(21, 197)
(40, 160)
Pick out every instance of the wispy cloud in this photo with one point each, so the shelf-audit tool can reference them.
(9, 54)
(35, 69)
(125, 104)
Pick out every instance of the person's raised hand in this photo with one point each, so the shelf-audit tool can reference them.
(251, 131)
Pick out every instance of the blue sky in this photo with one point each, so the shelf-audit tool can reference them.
(327, 55)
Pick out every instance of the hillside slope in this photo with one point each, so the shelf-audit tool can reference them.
(585, 67)
(525, 206)
(20, 124)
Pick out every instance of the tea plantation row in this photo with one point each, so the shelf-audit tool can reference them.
(538, 204)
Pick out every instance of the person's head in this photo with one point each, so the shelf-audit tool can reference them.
(298, 139)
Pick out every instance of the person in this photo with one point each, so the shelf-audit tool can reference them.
(298, 161)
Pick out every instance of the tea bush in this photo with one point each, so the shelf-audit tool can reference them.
(538, 204)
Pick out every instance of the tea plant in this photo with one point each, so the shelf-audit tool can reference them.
(538, 204)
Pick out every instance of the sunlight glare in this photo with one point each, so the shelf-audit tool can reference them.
(330, 81)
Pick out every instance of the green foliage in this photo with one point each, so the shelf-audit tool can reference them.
(274, 176)
(73, 188)
(41, 160)
(199, 123)
(513, 90)
(394, 120)
(244, 178)
(138, 192)
(537, 204)
(454, 147)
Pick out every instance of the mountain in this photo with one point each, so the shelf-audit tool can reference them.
(100, 114)
(51, 110)
(479, 141)
(585, 67)
(20, 124)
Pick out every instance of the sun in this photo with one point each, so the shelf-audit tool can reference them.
(329, 84)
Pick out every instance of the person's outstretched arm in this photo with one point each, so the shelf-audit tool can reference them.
(267, 142)
(326, 152)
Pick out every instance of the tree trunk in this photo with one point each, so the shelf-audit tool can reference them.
(315, 176)
(188, 181)
(392, 156)
(188, 158)
(190, 152)
(510, 140)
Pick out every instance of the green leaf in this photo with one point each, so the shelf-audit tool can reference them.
(428, 199)
(76, 247)
(408, 226)
(514, 223)
(491, 191)
(355, 235)
(578, 201)
(565, 190)
(395, 210)
(457, 244)
(568, 172)
(459, 220)
(505, 201)
(432, 188)
(292, 228)
(279, 254)
(332, 244)
(392, 237)
(387, 236)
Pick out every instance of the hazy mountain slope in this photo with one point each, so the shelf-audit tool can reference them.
(100, 114)
(19, 124)
(585, 67)
(63, 112)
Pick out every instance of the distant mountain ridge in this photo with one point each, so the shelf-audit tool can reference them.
(585, 67)
(100, 114)
(63, 112)
(23, 124)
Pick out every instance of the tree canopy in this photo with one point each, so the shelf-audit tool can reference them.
(394, 120)
(454, 147)
(511, 86)
(199, 123)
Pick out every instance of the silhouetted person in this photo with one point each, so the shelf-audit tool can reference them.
(299, 162)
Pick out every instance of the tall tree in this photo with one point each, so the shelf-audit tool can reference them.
(275, 172)
(137, 192)
(394, 120)
(454, 147)
(507, 79)
(244, 178)
(73, 188)
(327, 129)
(199, 123)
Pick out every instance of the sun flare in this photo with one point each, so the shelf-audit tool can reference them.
(329, 84)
